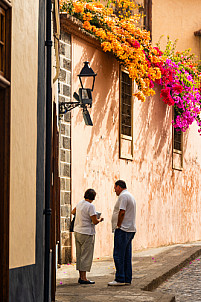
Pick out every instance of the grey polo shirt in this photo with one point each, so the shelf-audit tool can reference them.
(125, 202)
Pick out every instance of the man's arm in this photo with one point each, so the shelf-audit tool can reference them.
(120, 217)
(73, 211)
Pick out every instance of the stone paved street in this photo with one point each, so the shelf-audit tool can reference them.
(186, 284)
(150, 269)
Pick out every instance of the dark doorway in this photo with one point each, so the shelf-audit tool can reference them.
(4, 191)
(5, 65)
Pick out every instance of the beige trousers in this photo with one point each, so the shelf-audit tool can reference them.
(84, 251)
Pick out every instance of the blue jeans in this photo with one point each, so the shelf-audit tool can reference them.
(123, 255)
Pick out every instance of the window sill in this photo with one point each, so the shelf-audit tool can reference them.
(177, 168)
(127, 157)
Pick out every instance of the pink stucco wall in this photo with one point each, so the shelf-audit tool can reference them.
(168, 201)
(178, 20)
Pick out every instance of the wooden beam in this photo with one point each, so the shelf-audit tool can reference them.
(148, 15)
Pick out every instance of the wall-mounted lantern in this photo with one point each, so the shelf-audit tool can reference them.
(87, 72)
(84, 97)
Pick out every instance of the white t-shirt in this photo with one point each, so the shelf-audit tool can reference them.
(83, 222)
(125, 202)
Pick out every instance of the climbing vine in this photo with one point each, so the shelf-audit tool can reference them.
(116, 26)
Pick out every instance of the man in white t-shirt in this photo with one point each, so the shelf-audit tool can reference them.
(124, 228)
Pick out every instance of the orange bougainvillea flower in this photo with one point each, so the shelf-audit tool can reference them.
(87, 16)
(78, 7)
(89, 6)
(106, 46)
(87, 25)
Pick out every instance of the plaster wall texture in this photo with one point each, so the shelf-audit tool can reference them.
(178, 20)
(168, 201)
(24, 74)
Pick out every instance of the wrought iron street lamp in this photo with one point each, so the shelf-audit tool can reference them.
(84, 98)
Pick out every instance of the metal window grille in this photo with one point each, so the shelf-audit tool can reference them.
(177, 155)
(177, 140)
(177, 145)
(126, 106)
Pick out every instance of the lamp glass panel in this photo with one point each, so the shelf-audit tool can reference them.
(87, 82)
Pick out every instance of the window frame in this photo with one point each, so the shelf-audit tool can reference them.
(2, 40)
(121, 135)
(148, 15)
(5, 7)
(176, 151)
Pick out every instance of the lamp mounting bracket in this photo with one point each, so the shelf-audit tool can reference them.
(64, 107)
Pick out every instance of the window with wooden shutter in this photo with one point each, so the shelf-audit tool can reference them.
(5, 43)
(2, 41)
(177, 154)
(148, 15)
(126, 115)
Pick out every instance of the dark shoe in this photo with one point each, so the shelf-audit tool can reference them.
(85, 281)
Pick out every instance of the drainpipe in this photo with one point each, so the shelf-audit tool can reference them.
(47, 211)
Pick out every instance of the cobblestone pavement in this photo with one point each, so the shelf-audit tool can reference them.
(186, 284)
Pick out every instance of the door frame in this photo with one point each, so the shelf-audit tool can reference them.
(5, 117)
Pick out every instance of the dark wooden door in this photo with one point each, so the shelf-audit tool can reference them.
(5, 65)
(55, 203)
(4, 193)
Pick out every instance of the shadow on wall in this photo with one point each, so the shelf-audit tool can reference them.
(105, 106)
(159, 126)
(164, 185)
(154, 137)
(155, 127)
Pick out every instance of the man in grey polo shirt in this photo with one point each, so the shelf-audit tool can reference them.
(124, 228)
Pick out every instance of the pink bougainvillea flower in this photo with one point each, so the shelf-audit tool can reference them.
(165, 94)
(177, 88)
(169, 101)
(158, 51)
(135, 44)
(151, 85)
